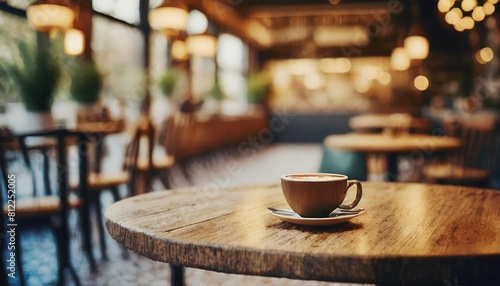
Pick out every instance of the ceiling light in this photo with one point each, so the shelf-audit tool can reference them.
(416, 44)
(400, 60)
(458, 27)
(468, 5)
(313, 81)
(197, 23)
(485, 55)
(326, 36)
(417, 47)
(203, 45)
(453, 16)
(170, 18)
(74, 42)
(47, 15)
(478, 14)
(488, 8)
(339, 65)
(467, 23)
(385, 78)
(445, 5)
(421, 83)
(179, 51)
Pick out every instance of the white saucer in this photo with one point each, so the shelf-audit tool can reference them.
(297, 219)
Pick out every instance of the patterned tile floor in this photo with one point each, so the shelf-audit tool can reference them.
(39, 256)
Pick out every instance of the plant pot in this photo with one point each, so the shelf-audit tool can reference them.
(86, 112)
(22, 121)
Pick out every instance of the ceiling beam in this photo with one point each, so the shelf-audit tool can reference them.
(353, 9)
(228, 17)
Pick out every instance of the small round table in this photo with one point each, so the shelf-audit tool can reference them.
(410, 234)
(416, 145)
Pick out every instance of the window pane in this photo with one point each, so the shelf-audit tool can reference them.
(232, 53)
(118, 50)
(126, 10)
(20, 4)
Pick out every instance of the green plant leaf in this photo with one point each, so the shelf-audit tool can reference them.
(168, 83)
(216, 92)
(35, 74)
(258, 87)
(86, 82)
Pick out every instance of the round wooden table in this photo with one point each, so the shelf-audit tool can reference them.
(411, 234)
(402, 121)
(417, 145)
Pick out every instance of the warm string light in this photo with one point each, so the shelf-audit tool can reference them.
(463, 15)
(421, 82)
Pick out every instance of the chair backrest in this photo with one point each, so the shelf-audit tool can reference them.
(176, 133)
(478, 140)
(351, 164)
(132, 152)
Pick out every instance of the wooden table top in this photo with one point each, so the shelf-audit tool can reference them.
(410, 233)
(383, 143)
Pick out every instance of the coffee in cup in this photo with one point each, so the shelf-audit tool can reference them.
(318, 194)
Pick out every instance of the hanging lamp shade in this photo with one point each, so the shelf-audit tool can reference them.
(202, 45)
(170, 18)
(47, 15)
(416, 44)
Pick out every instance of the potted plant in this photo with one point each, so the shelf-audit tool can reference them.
(34, 73)
(258, 88)
(217, 94)
(85, 88)
(167, 83)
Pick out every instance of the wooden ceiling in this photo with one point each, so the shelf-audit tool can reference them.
(312, 28)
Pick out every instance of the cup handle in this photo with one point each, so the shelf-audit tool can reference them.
(359, 193)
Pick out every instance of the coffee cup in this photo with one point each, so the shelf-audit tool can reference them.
(318, 194)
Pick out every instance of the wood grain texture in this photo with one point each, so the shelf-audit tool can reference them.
(410, 234)
(382, 143)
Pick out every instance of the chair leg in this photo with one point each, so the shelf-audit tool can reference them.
(46, 172)
(185, 173)
(164, 178)
(100, 225)
(176, 275)
(115, 194)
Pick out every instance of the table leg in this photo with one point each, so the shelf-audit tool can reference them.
(84, 194)
(176, 275)
(62, 231)
(392, 167)
(46, 171)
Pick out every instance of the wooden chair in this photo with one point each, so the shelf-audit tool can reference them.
(471, 164)
(40, 208)
(99, 182)
(176, 137)
(154, 161)
(351, 164)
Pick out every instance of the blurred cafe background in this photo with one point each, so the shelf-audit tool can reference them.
(166, 93)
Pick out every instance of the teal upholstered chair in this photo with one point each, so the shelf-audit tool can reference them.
(351, 164)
